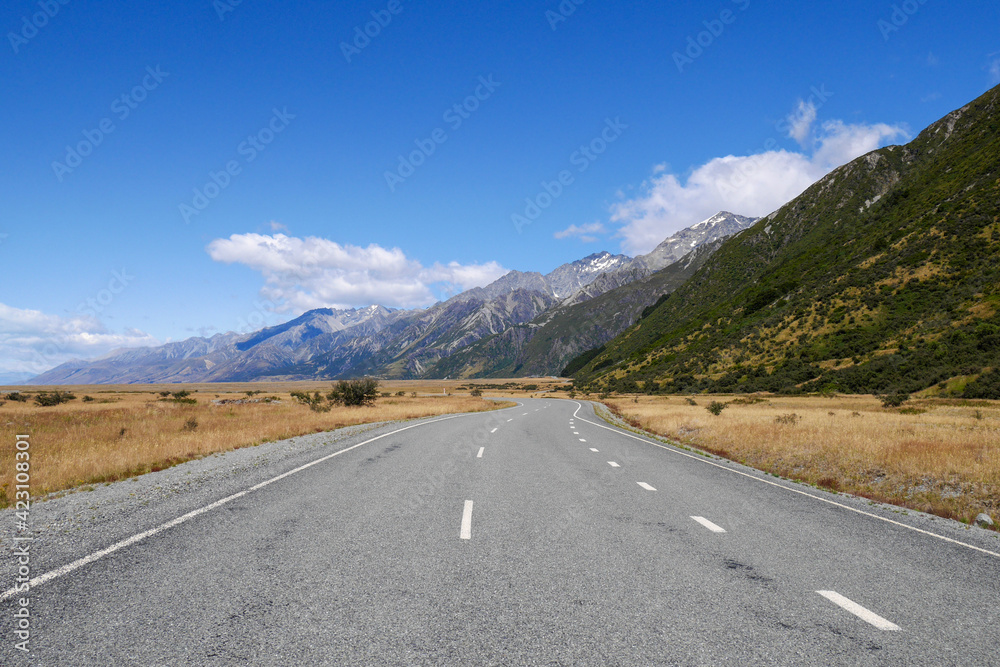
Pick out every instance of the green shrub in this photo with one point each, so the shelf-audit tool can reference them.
(894, 400)
(359, 391)
(716, 408)
(986, 385)
(302, 397)
(46, 399)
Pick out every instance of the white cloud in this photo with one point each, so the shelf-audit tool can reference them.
(584, 232)
(800, 122)
(33, 342)
(277, 226)
(302, 274)
(994, 69)
(752, 185)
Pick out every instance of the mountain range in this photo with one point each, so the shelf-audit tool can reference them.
(882, 277)
(459, 337)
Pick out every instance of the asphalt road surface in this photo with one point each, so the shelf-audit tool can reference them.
(535, 535)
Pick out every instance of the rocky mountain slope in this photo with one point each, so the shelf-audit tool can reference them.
(719, 226)
(335, 343)
(881, 277)
(328, 343)
(545, 345)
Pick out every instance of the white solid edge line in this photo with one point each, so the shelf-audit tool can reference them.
(646, 486)
(708, 524)
(466, 532)
(480, 454)
(97, 555)
(700, 459)
(613, 464)
(859, 611)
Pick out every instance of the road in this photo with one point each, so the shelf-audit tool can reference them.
(534, 535)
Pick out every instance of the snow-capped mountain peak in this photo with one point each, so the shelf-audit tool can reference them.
(720, 225)
(568, 278)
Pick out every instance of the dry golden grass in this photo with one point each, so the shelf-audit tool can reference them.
(944, 460)
(129, 430)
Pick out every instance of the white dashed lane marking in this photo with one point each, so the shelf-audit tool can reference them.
(613, 464)
(466, 532)
(708, 524)
(480, 454)
(594, 450)
(646, 486)
(859, 611)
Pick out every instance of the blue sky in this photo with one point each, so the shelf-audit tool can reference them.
(193, 167)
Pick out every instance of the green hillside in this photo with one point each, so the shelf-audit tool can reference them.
(882, 277)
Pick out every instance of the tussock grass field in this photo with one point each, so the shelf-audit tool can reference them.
(129, 430)
(933, 455)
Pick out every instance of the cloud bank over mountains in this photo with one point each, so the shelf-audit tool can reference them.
(305, 273)
(752, 185)
(32, 341)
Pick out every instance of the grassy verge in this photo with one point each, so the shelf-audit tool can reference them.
(935, 456)
(121, 434)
